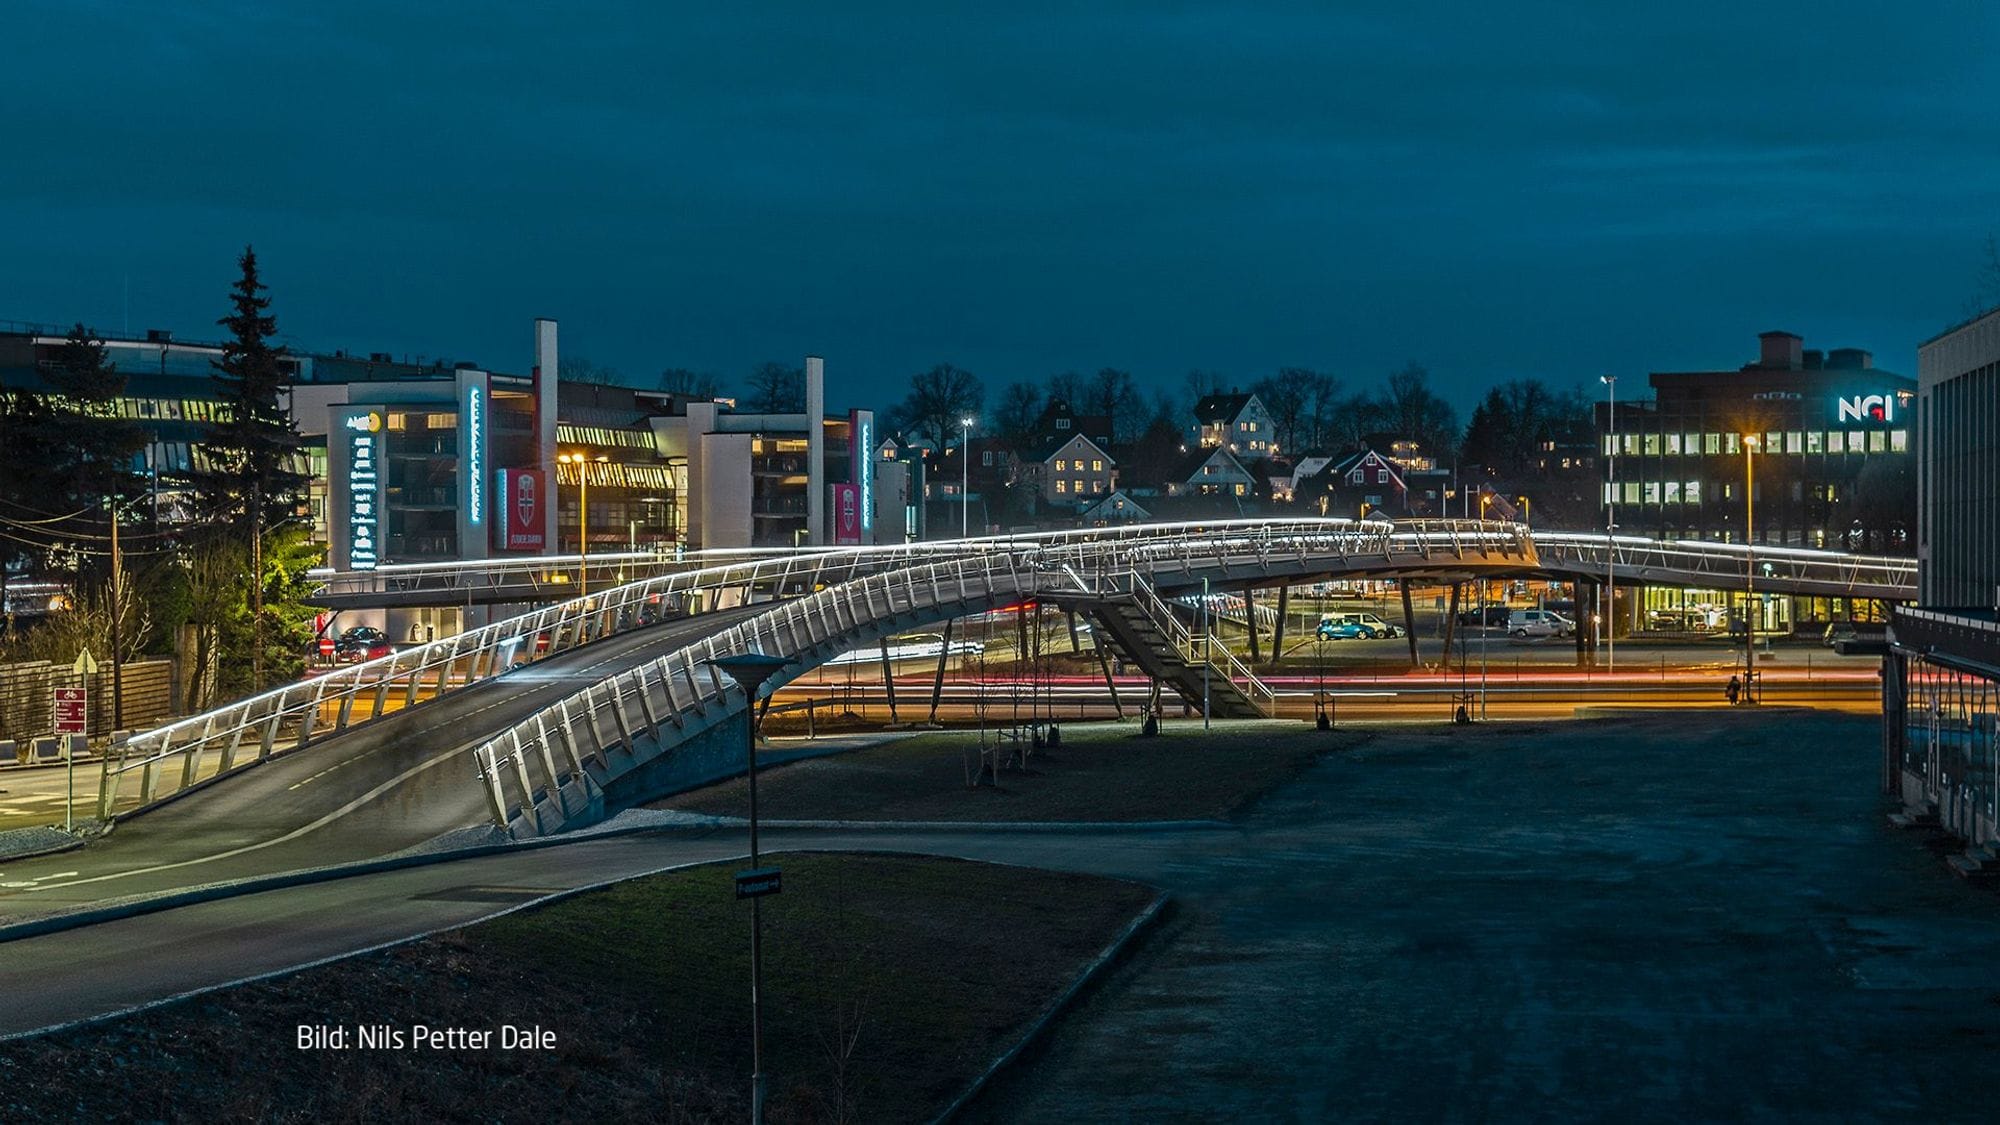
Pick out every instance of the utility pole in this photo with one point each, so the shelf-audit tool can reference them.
(1750, 569)
(117, 612)
(1608, 596)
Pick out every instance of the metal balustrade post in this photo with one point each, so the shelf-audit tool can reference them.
(619, 717)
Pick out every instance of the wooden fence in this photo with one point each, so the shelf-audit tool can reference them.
(27, 696)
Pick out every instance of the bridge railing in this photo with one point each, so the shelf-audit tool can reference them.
(168, 759)
(598, 724)
(1882, 576)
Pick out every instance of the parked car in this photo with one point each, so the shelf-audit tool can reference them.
(1366, 625)
(1494, 615)
(1539, 623)
(1331, 630)
(363, 642)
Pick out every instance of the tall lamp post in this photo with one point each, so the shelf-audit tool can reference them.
(1750, 614)
(965, 483)
(750, 670)
(1607, 598)
(582, 463)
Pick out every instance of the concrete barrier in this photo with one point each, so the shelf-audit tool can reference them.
(46, 750)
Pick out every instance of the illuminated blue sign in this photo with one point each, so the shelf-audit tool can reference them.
(364, 511)
(474, 425)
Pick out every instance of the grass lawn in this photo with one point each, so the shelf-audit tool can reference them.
(890, 982)
(1101, 772)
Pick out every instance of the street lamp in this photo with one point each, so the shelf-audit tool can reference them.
(1750, 614)
(582, 463)
(750, 670)
(965, 486)
(1607, 598)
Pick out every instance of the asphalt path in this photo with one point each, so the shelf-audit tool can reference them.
(114, 966)
(369, 792)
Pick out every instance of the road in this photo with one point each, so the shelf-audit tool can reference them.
(365, 793)
(1625, 920)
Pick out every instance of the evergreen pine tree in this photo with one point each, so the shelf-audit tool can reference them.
(92, 450)
(249, 479)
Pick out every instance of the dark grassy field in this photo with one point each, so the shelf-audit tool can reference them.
(890, 982)
(1101, 772)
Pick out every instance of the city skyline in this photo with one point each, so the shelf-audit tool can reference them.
(1492, 199)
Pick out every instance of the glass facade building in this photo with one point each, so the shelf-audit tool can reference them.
(1941, 675)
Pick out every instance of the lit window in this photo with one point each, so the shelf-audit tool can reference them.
(1652, 492)
(1692, 492)
(1610, 443)
(1239, 489)
(1815, 441)
(1062, 486)
(1673, 492)
(1794, 442)
(1836, 442)
(1732, 444)
(1652, 445)
(1899, 441)
(1631, 444)
(1673, 445)
(1610, 493)
(986, 457)
(1878, 442)
(1097, 464)
(1711, 443)
(1631, 492)
(1692, 445)
(1061, 464)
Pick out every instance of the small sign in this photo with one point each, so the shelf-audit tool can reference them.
(758, 882)
(86, 664)
(72, 715)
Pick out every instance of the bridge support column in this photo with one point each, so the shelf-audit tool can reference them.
(888, 680)
(1410, 623)
(1250, 621)
(1450, 623)
(1104, 665)
(1278, 634)
(944, 650)
(1586, 622)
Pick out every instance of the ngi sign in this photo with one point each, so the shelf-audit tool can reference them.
(1866, 408)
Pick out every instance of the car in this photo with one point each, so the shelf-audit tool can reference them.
(1539, 623)
(1344, 631)
(1334, 626)
(363, 642)
(1494, 615)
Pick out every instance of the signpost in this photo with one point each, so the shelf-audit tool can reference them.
(758, 882)
(72, 716)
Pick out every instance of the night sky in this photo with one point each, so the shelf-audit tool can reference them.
(1022, 191)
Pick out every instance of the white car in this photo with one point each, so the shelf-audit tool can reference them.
(1539, 623)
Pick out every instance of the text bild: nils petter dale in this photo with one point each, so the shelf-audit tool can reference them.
(422, 1037)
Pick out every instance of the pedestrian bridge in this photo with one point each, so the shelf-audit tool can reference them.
(625, 735)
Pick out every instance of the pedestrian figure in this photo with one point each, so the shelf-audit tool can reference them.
(1734, 690)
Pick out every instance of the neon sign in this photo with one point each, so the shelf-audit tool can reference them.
(364, 515)
(475, 455)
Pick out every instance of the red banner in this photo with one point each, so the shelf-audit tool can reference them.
(846, 514)
(520, 497)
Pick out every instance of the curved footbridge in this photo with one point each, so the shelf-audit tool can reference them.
(652, 724)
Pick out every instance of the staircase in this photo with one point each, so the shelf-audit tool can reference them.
(1144, 629)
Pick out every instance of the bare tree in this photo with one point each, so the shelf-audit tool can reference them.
(1068, 386)
(1201, 384)
(1014, 416)
(938, 400)
(1322, 394)
(577, 369)
(690, 384)
(1115, 394)
(776, 389)
(1284, 396)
